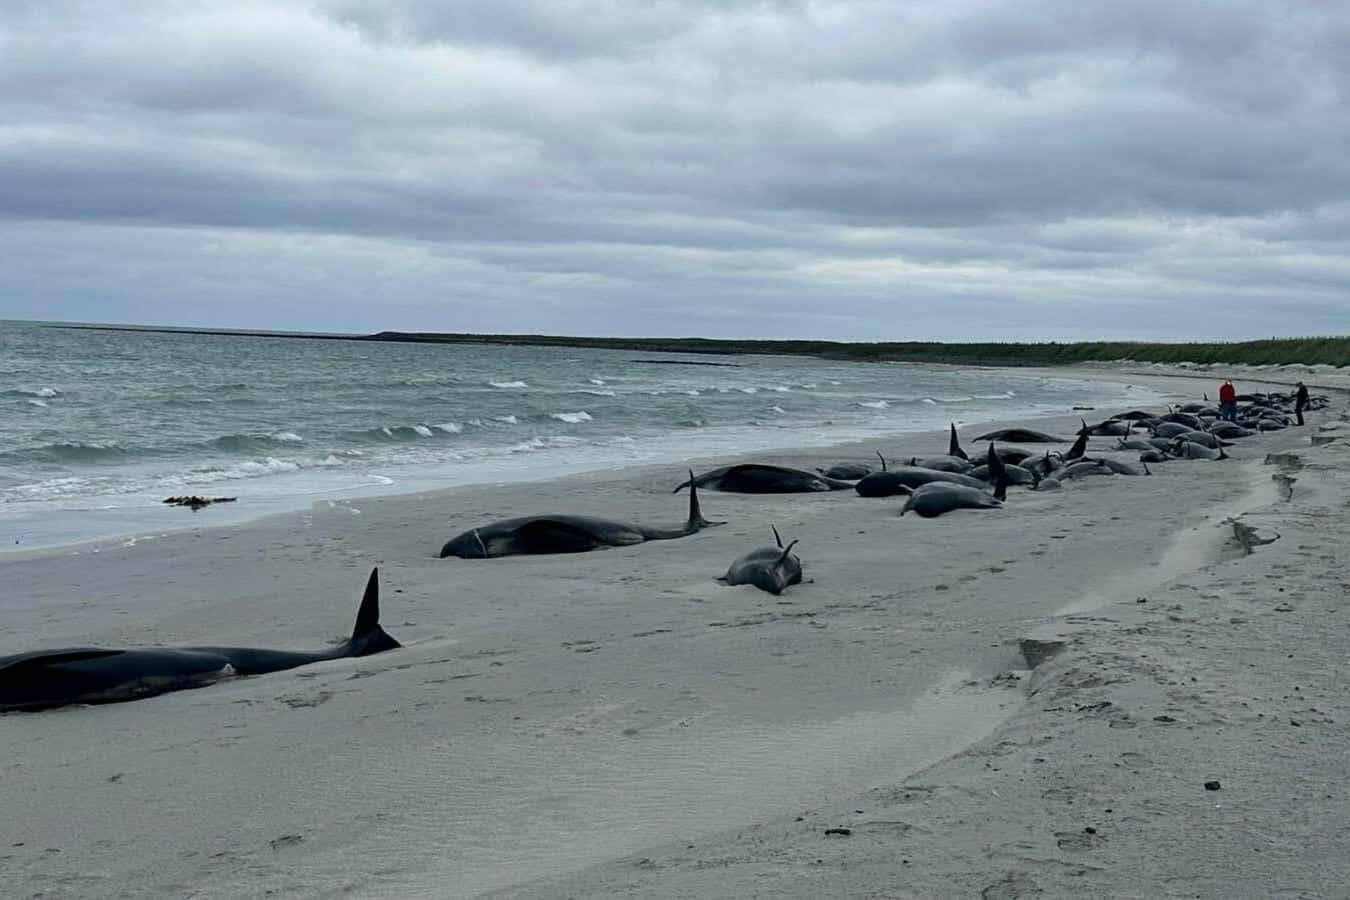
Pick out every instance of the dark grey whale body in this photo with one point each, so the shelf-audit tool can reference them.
(48, 678)
(758, 478)
(890, 482)
(1020, 436)
(771, 569)
(938, 497)
(847, 471)
(564, 533)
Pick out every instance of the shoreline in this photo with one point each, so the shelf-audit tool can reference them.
(574, 725)
(49, 530)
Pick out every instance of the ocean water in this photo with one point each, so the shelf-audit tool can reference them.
(97, 427)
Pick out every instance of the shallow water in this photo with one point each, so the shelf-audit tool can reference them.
(96, 427)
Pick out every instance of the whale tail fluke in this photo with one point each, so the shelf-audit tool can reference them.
(367, 635)
(776, 538)
(786, 550)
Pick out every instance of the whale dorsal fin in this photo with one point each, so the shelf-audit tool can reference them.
(883, 460)
(777, 539)
(368, 615)
(786, 550)
(954, 446)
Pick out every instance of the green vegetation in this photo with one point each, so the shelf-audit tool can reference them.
(1309, 351)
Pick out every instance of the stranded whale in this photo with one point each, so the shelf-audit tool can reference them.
(757, 478)
(562, 533)
(770, 569)
(47, 678)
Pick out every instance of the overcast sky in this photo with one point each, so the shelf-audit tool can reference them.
(960, 169)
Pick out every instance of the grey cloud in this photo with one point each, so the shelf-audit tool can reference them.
(909, 169)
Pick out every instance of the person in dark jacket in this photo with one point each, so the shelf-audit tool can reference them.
(1228, 401)
(1300, 401)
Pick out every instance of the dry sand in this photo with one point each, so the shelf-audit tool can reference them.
(620, 723)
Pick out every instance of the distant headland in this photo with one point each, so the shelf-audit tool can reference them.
(1327, 350)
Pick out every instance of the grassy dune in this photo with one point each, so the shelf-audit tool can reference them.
(1309, 351)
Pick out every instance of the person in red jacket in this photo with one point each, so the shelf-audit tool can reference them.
(1228, 401)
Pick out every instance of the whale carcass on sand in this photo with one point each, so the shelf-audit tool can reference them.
(564, 533)
(48, 678)
(757, 478)
(770, 569)
(1020, 436)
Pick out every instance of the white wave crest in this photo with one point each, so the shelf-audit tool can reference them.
(778, 409)
(287, 437)
(506, 420)
(1006, 395)
(508, 384)
(573, 418)
(423, 430)
(594, 393)
(33, 401)
(875, 404)
(597, 381)
(449, 427)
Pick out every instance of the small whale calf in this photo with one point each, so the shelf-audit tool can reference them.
(49, 678)
(771, 569)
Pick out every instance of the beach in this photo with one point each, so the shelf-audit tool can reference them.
(618, 722)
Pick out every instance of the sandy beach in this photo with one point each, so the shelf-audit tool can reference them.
(619, 723)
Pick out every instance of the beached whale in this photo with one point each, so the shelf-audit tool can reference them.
(563, 533)
(1020, 436)
(890, 482)
(938, 497)
(942, 463)
(1109, 428)
(48, 678)
(847, 471)
(770, 569)
(757, 478)
(1184, 449)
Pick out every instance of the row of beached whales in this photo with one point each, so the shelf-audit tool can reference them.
(932, 486)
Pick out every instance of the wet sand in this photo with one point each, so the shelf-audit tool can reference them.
(619, 722)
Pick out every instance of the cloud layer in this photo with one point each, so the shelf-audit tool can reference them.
(853, 170)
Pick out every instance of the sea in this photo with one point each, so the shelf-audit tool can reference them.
(98, 427)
